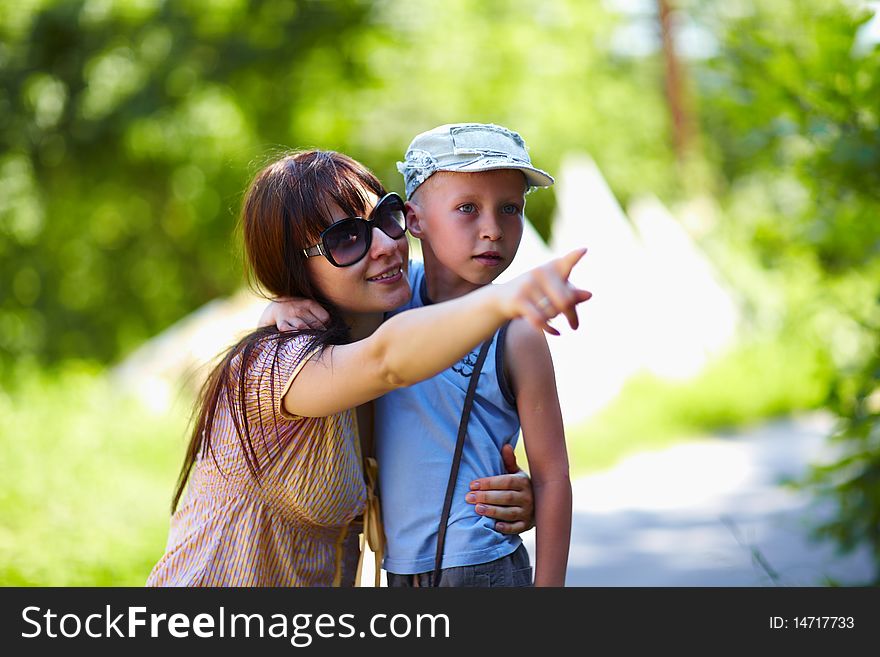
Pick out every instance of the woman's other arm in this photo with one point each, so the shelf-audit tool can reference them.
(294, 314)
(508, 498)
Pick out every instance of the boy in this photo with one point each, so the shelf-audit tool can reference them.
(466, 186)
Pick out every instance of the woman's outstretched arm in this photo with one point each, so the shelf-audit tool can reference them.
(417, 344)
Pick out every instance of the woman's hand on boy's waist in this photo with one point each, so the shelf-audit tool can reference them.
(507, 498)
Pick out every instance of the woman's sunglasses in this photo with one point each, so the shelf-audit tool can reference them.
(347, 241)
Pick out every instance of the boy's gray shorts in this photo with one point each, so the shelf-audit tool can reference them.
(512, 570)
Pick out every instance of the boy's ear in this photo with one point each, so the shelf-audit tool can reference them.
(413, 223)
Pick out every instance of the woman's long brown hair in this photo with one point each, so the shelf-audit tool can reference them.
(284, 211)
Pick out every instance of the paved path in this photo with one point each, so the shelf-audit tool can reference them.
(708, 513)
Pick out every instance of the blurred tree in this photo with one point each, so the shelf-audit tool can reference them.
(126, 131)
(791, 105)
(675, 86)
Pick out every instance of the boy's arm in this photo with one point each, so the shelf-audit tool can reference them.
(527, 357)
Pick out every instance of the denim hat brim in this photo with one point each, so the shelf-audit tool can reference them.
(468, 148)
(534, 177)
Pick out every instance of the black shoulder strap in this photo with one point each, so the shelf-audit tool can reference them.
(456, 458)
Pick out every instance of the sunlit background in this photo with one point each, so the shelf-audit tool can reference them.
(720, 159)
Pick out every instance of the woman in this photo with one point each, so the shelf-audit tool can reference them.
(273, 474)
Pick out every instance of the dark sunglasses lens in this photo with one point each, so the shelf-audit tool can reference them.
(346, 241)
(389, 217)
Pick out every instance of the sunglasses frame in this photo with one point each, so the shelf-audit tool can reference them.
(321, 249)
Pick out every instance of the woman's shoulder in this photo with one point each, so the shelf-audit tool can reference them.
(268, 362)
(275, 349)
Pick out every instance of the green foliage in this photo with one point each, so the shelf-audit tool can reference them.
(759, 379)
(126, 132)
(88, 476)
(853, 481)
(791, 105)
(791, 101)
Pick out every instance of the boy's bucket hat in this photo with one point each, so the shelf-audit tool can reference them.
(467, 147)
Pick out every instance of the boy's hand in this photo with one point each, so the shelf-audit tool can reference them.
(294, 314)
(506, 498)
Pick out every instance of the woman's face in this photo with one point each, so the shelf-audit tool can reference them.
(376, 283)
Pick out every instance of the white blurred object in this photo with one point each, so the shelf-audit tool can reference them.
(180, 356)
(691, 315)
(594, 362)
(657, 304)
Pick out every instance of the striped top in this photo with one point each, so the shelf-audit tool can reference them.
(286, 530)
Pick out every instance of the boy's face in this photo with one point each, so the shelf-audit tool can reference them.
(470, 223)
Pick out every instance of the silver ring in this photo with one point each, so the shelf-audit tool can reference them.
(544, 304)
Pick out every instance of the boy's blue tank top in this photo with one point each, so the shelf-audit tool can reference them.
(416, 429)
